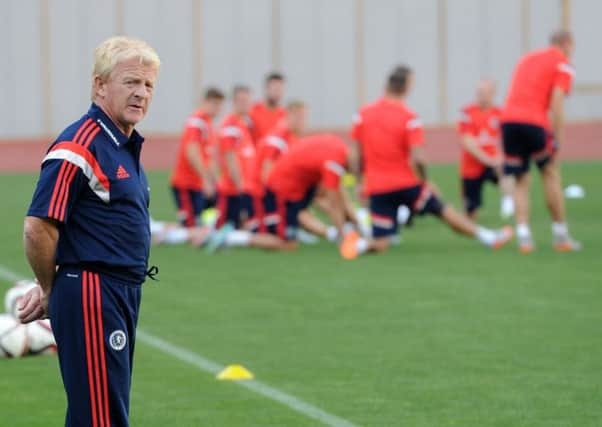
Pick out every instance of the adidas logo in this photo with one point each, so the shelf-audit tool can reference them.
(122, 173)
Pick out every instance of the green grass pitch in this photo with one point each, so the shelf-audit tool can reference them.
(437, 332)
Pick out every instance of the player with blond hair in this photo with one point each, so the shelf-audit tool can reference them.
(87, 236)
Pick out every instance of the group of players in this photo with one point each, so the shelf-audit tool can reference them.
(262, 172)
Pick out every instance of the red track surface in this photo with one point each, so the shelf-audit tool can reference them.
(584, 142)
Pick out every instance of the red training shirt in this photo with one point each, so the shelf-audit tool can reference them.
(484, 127)
(535, 75)
(314, 160)
(386, 130)
(235, 136)
(264, 119)
(199, 131)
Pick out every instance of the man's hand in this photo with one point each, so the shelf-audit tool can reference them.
(208, 188)
(496, 162)
(33, 305)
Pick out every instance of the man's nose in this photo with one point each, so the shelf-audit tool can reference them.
(141, 91)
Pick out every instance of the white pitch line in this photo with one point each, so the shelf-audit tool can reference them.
(211, 367)
(258, 387)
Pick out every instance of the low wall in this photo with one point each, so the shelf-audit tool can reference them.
(583, 142)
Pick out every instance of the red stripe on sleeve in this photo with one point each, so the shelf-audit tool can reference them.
(65, 193)
(82, 128)
(88, 156)
(91, 136)
(57, 188)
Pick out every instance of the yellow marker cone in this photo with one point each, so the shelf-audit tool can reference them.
(235, 373)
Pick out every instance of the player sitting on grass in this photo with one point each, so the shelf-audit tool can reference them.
(479, 129)
(389, 146)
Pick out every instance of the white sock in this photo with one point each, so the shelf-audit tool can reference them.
(176, 236)
(560, 228)
(486, 236)
(347, 227)
(523, 231)
(238, 238)
(362, 246)
(332, 234)
(156, 227)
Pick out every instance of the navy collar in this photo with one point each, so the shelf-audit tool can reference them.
(111, 130)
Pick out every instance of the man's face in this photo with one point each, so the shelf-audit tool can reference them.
(568, 47)
(485, 94)
(242, 102)
(274, 91)
(214, 107)
(297, 120)
(126, 95)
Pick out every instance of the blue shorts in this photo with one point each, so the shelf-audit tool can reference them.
(239, 210)
(472, 189)
(94, 323)
(384, 206)
(282, 216)
(524, 143)
(191, 204)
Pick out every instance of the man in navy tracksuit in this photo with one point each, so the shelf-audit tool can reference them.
(87, 236)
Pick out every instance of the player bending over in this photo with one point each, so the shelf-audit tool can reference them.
(389, 140)
(313, 162)
(540, 82)
(482, 161)
(270, 148)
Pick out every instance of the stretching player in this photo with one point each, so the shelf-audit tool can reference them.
(389, 146)
(269, 149)
(194, 177)
(266, 114)
(479, 129)
(312, 162)
(540, 82)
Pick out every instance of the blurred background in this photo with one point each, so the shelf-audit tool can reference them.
(334, 53)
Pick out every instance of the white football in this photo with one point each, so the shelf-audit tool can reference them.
(40, 339)
(13, 294)
(13, 337)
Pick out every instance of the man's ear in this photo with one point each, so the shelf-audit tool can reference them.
(99, 87)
